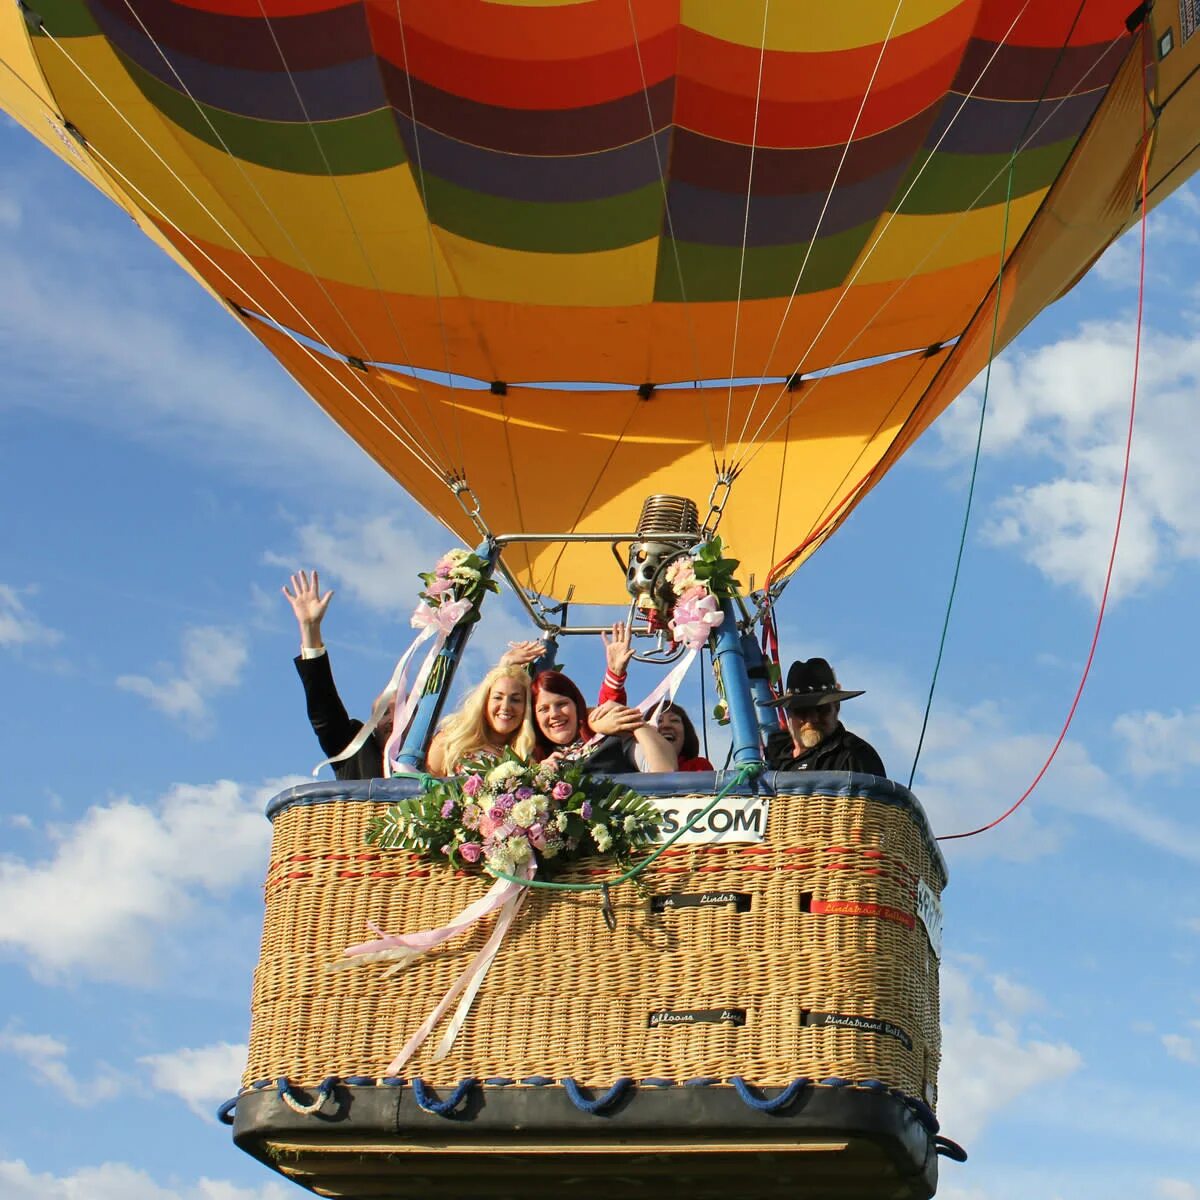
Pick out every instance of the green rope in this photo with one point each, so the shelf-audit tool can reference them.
(962, 541)
(745, 773)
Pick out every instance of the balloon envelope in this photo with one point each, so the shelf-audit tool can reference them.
(408, 201)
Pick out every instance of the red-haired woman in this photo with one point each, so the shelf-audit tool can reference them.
(564, 727)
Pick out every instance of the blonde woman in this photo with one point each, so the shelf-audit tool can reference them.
(496, 714)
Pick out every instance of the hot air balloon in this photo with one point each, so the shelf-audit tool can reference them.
(543, 259)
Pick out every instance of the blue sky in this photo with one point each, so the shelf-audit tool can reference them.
(161, 476)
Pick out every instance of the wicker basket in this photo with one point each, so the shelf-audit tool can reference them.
(799, 956)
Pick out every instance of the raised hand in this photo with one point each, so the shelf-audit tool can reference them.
(618, 648)
(308, 605)
(520, 654)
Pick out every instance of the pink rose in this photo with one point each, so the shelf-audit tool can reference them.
(439, 587)
(472, 785)
(471, 851)
(561, 790)
(497, 813)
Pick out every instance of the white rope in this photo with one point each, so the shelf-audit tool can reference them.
(933, 248)
(299, 253)
(737, 310)
(689, 325)
(399, 432)
(820, 220)
(433, 266)
(881, 234)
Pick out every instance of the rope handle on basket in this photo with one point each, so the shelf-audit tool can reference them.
(442, 1108)
(324, 1091)
(948, 1149)
(775, 1103)
(600, 1103)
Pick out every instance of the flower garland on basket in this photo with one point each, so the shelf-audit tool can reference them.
(515, 818)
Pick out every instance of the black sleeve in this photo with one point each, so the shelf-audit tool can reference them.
(334, 727)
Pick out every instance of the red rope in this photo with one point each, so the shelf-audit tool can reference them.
(1137, 354)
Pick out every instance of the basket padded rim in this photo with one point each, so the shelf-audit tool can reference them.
(828, 785)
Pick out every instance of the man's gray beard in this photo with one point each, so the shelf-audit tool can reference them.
(810, 737)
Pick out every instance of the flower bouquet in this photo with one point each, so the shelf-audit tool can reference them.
(513, 816)
(695, 584)
(453, 591)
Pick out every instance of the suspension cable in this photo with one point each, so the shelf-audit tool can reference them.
(1112, 556)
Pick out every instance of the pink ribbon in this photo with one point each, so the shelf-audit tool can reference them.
(395, 685)
(503, 895)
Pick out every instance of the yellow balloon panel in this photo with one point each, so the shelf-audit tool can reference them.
(556, 461)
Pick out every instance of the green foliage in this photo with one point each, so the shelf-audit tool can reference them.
(506, 811)
(716, 571)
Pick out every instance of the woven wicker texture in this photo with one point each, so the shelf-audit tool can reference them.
(568, 998)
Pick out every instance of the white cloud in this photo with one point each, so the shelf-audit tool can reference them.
(1160, 743)
(1176, 1189)
(212, 661)
(124, 873)
(1067, 405)
(202, 1077)
(18, 627)
(375, 559)
(120, 1181)
(987, 1060)
(105, 319)
(46, 1059)
(1180, 1047)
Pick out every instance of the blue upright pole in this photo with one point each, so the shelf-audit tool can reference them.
(429, 708)
(760, 685)
(730, 661)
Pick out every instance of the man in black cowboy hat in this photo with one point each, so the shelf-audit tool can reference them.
(815, 740)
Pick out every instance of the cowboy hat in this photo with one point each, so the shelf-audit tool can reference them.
(811, 684)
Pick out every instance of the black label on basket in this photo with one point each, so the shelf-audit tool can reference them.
(739, 900)
(862, 1024)
(696, 1016)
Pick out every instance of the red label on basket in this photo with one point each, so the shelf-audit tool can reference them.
(696, 1016)
(859, 908)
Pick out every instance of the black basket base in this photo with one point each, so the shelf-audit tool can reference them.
(834, 1144)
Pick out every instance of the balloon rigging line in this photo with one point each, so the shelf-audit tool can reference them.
(411, 446)
(1116, 539)
(428, 447)
(737, 310)
(867, 443)
(358, 241)
(433, 266)
(895, 211)
(616, 445)
(824, 529)
(987, 382)
(821, 216)
(966, 521)
(951, 226)
(399, 435)
(689, 325)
